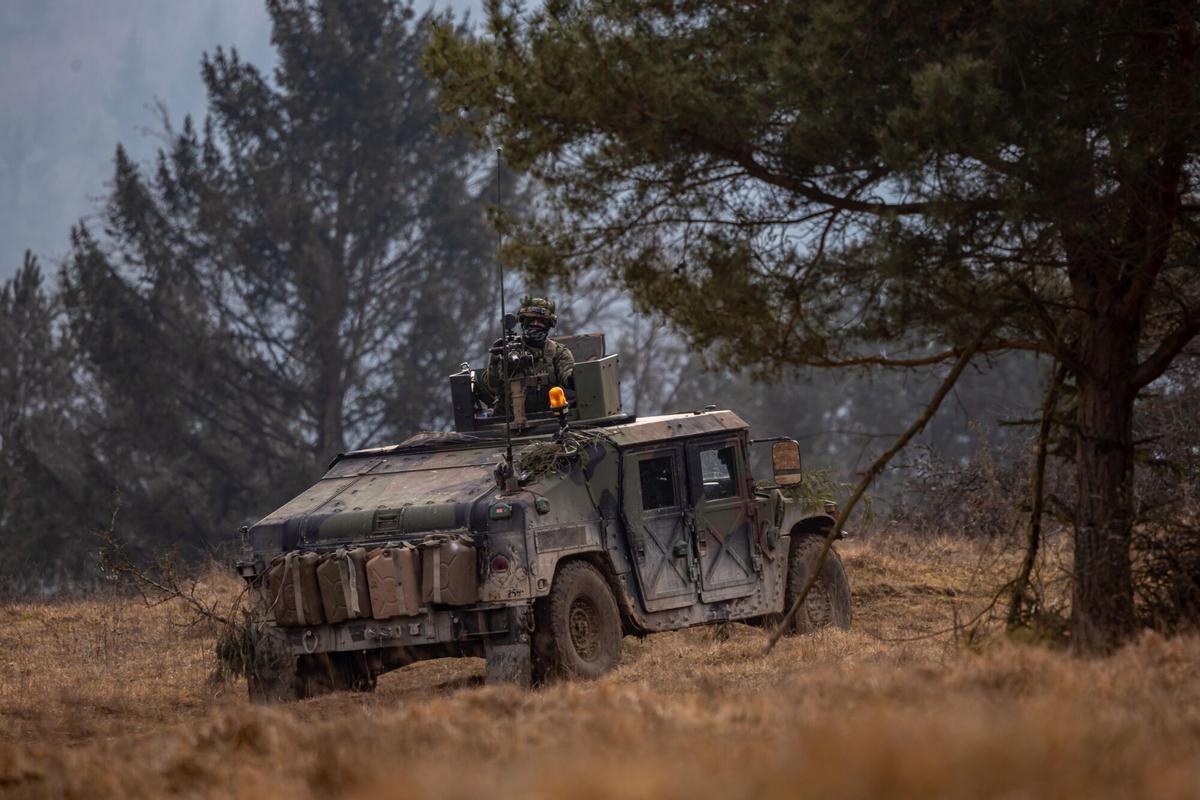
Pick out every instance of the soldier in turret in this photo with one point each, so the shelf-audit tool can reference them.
(540, 363)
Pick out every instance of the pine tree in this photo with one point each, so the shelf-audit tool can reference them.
(293, 277)
(793, 182)
(43, 477)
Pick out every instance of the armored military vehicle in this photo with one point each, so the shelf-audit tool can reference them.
(539, 553)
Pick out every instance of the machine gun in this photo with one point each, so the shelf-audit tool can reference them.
(511, 349)
(515, 359)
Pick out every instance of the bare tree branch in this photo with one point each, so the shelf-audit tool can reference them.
(876, 467)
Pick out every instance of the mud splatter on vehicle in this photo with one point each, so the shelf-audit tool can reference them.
(601, 525)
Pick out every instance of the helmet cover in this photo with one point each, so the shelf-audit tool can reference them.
(537, 307)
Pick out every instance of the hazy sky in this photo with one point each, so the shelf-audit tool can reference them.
(78, 76)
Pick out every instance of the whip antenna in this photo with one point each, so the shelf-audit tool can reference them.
(508, 411)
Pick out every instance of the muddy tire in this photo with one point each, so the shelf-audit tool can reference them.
(577, 627)
(828, 602)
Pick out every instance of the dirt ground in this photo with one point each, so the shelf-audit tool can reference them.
(105, 697)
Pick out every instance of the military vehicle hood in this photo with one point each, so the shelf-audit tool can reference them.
(446, 481)
(384, 493)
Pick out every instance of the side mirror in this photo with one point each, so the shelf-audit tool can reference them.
(785, 462)
(510, 322)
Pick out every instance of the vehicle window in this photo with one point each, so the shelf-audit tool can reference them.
(658, 482)
(717, 468)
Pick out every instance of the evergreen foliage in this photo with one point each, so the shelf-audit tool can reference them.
(794, 183)
(44, 468)
(291, 278)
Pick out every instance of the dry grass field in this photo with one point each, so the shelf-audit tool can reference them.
(104, 697)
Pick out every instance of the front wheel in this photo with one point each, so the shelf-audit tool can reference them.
(828, 602)
(577, 626)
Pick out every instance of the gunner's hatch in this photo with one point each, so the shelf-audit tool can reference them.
(597, 394)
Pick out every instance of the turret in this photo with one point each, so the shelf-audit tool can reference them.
(596, 398)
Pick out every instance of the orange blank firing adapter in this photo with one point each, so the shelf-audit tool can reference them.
(558, 398)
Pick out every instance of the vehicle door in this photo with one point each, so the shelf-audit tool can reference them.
(659, 541)
(722, 518)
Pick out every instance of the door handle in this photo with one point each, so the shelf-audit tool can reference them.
(699, 531)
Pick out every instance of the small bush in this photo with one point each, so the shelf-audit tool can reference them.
(986, 496)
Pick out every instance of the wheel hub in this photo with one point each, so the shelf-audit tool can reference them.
(818, 607)
(584, 624)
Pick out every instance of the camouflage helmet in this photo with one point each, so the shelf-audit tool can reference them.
(537, 307)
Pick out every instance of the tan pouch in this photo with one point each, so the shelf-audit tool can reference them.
(294, 591)
(449, 575)
(342, 576)
(394, 580)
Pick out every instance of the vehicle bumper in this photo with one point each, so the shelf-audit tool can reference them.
(470, 627)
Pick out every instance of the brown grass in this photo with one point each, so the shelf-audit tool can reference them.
(106, 698)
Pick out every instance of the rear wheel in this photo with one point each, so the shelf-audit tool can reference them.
(828, 602)
(577, 626)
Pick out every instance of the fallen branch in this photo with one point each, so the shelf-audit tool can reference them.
(874, 470)
(164, 581)
(1020, 586)
(161, 582)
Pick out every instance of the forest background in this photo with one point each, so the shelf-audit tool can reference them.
(295, 274)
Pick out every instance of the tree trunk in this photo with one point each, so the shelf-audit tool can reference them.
(1102, 616)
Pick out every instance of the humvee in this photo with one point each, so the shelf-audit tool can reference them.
(602, 525)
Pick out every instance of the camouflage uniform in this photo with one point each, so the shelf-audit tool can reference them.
(552, 363)
(552, 366)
